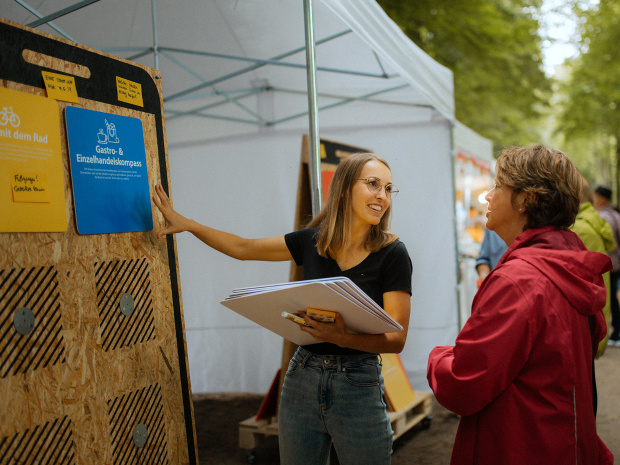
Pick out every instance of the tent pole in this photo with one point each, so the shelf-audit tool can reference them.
(155, 43)
(315, 142)
(289, 348)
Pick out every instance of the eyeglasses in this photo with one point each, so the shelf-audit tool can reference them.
(374, 185)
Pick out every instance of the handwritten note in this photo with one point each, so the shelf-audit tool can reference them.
(60, 87)
(129, 91)
(30, 187)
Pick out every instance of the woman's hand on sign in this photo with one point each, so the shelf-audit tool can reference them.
(175, 222)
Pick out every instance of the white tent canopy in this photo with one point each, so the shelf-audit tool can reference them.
(236, 103)
(469, 141)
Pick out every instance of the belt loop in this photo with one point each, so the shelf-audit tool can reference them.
(339, 359)
(306, 355)
(380, 359)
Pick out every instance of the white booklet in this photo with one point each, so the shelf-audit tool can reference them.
(264, 305)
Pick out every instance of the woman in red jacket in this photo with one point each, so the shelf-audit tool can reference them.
(520, 372)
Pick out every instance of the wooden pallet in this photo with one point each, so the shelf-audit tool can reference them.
(251, 431)
(417, 411)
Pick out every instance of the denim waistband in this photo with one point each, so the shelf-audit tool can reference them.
(305, 357)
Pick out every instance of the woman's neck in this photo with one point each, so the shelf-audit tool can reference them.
(359, 234)
(355, 242)
(351, 253)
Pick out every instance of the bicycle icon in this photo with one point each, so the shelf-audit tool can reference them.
(8, 116)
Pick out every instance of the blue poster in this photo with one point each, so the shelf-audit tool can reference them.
(108, 172)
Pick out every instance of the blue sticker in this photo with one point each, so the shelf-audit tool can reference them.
(108, 172)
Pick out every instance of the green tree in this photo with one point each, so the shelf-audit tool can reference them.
(494, 51)
(591, 115)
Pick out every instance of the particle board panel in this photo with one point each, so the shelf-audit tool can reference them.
(86, 378)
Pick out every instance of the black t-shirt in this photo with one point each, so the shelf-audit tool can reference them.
(387, 270)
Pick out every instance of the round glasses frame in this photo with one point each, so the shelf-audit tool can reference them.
(374, 185)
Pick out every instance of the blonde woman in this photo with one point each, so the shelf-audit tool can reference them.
(333, 389)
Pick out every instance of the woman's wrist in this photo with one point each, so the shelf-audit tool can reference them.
(192, 226)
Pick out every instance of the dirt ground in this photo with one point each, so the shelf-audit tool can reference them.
(218, 417)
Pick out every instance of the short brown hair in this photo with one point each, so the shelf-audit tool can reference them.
(334, 220)
(550, 180)
(586, 192)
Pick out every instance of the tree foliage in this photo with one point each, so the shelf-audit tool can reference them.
(591, 96)
(494, 51)
(593, 93)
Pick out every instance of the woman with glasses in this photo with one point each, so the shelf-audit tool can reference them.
(520, 374)
(333, 389)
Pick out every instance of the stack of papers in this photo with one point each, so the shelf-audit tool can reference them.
(264, 305)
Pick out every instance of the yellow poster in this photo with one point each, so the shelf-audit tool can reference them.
(32, 187)
(398, 391)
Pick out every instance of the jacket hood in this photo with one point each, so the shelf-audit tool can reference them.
(563, 259)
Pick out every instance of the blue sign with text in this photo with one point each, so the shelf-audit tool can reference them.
(108, 172)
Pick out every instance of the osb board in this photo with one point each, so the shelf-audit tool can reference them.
(75, 389)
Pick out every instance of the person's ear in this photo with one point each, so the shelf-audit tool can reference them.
(528, 200)
(524, 200)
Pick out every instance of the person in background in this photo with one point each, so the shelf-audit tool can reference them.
(597, 236)
(520, 373)
(602, 201)
(491, 250)
(333, 389)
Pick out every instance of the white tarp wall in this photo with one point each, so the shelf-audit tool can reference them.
(235, 143)
(228, 353)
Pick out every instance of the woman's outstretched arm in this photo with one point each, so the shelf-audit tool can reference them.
(266, 249)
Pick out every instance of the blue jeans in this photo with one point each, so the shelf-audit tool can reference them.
(331, 398)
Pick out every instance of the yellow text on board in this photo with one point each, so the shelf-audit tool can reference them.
(129, 91)
(60, 87)
(30, 187)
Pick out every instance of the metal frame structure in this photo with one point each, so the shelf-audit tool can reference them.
(236, 96)
(231, 96)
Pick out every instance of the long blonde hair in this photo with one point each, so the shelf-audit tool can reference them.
(334, 220)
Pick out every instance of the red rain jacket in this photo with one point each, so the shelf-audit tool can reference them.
(520, 372)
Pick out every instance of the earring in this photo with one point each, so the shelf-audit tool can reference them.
(520, 210)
